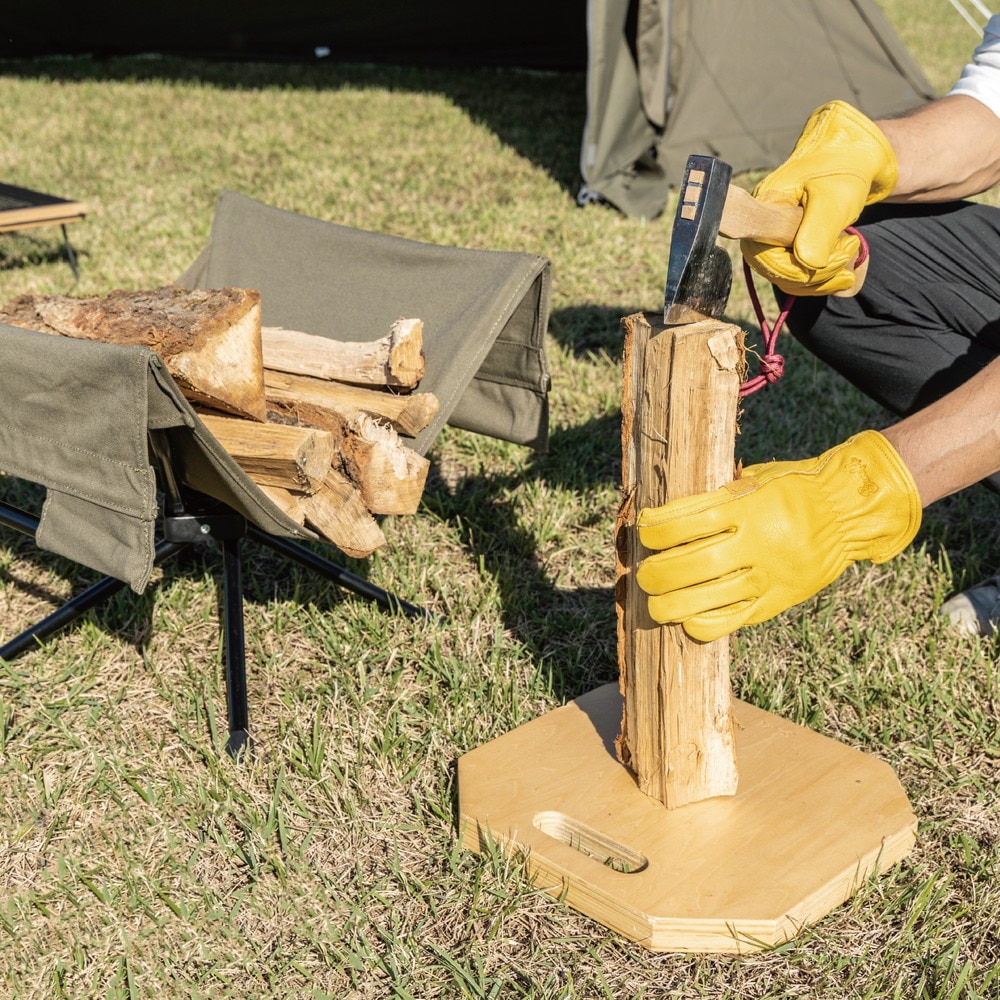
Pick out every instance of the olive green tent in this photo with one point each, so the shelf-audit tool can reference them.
(729, 78)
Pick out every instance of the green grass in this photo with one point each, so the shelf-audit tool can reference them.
(137, 860)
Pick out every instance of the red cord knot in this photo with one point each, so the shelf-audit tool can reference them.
(772, 367)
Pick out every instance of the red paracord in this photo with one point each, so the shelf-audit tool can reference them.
(772, 364)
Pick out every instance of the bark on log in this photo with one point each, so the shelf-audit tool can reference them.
(294, 458)
(396, 360)
(679, 413)
(331, 405)
(209, 339)
(338, 513)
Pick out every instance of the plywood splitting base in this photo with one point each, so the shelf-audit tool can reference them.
(811, 820)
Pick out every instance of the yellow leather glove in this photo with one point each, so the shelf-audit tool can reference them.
(749, 550)
(841, 162)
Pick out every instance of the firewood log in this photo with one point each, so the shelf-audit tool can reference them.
(331, 405)
(338, 513)
(296, 458)
(209, 339)
(396, 360)
(291, 504)
(390, 476)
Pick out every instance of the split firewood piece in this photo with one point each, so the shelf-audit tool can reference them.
(338, 512)
(331, 405)
(390, 476)
(396, 360)
(289, 503)
(209, 339)
(294, 458)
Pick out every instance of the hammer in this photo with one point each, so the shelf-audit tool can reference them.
(699, 271)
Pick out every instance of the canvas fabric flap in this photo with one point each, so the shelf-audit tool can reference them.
(484, 313)
(76, 416)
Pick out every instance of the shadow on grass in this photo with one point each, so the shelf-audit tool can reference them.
(568, 631)
(538, 114)
(19, 250)
(583, 330)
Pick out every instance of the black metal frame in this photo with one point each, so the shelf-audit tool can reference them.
(191, 518)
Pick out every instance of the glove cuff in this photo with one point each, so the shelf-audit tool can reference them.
(888, 511)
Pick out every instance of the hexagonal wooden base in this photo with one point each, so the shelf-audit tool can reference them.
(812, 818)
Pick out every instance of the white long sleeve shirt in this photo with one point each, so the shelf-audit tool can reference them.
(981, 77)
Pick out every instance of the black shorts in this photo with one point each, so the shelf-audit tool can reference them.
(928, 315)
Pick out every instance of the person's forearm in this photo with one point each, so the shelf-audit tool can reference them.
(954, 442)
(947, 149)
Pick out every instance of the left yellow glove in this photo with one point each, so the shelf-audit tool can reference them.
(841, 163)
(746, 552)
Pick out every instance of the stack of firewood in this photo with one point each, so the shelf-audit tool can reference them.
(314, 422)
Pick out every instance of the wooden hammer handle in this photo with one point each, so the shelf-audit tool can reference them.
(744, 217)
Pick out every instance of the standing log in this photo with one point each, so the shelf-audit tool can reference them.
(209, 339)
(396, 360)
(679, 412)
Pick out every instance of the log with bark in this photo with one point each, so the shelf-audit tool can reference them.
(209, 340)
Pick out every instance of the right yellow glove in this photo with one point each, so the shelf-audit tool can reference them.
(749, 550)
(841, 162)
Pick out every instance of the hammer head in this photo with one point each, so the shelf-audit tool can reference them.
(699, 272)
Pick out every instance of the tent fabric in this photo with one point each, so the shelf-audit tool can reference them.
(485, 312)
(77, 414)
(669, 78)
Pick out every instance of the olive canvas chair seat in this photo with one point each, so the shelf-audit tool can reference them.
(132, 475)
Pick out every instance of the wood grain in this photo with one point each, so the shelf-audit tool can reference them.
(679, 411)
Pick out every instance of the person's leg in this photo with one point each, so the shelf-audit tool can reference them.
(926, 319)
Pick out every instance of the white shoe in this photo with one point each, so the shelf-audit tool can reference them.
(976, 610)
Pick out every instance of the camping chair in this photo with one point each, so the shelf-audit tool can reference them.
(22, 208)
(106, 431)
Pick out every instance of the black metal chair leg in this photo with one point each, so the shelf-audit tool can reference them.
(71, 255)
(235, 643)
(75, 608)
(184, 531)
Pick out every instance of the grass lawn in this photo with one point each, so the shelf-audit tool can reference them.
(137, 860)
